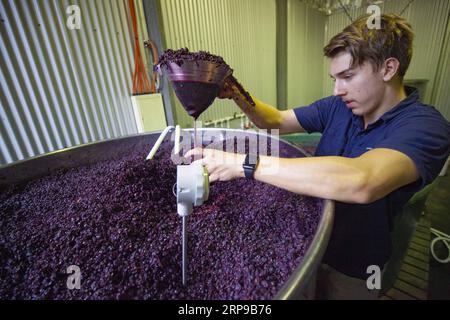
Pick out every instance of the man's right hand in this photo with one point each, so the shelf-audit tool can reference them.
(228, 90)
(261, 114)
(232, 89)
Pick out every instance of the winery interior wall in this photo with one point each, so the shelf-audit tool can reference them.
(62, 87)
(431, 51)
(243, 32)
(306, 30)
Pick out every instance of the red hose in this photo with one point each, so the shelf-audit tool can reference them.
(152, 46)
(141, 83)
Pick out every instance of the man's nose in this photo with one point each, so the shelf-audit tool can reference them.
(339, 90)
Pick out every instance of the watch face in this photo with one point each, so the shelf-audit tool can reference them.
(251, 160)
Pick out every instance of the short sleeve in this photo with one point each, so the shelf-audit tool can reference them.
(314, 118)
(425, 138)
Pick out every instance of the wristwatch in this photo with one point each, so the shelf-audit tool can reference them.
(249, 165)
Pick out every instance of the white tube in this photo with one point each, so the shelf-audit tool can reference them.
(177, 139)
(158, 142)
(445, 238)
(445, 167)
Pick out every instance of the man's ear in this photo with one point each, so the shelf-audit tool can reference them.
(390, 68)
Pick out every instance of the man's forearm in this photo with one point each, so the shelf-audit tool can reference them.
(335, 178)
(264, 116)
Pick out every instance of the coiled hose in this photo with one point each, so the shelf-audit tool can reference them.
(445, 238)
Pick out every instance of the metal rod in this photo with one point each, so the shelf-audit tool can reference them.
(184, 248)
(158, 142)
(401, 13)
(177, 139)
(346, 12)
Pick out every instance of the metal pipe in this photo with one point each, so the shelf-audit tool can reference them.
(184, 249)
(225, 119)
(177, 139)
(158, 143)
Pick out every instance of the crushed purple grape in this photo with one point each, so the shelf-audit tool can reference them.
(183, 54)
(117, 221)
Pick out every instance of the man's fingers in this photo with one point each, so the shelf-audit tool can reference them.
(199, 161)
(226, 92)
(210, 167)
(213, 177)
(194, 152)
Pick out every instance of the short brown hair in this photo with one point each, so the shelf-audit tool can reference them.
(394, 39)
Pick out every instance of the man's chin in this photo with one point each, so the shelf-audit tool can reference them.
(357, 112)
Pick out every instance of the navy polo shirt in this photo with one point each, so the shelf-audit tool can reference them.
(361, 232)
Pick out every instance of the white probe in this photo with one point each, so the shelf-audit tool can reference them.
(192, 190)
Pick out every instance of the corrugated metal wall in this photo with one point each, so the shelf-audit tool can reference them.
(62, 87)
(306, 27)
(243, 32)
(440, 96)
(428, 19)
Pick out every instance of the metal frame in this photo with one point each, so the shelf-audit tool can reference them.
(152, 18)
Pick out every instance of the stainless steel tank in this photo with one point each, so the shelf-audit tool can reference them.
(301, 283)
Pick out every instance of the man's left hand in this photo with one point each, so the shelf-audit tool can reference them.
(221, 166)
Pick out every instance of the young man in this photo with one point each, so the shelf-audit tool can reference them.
(379, 146)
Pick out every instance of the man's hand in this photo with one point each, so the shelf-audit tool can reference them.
(229, 90)
(261, 114)
(226, 92)
(221, 166)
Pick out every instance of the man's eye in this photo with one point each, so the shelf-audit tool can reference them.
(348, 76)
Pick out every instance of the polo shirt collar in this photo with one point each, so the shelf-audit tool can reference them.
(412, 98)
